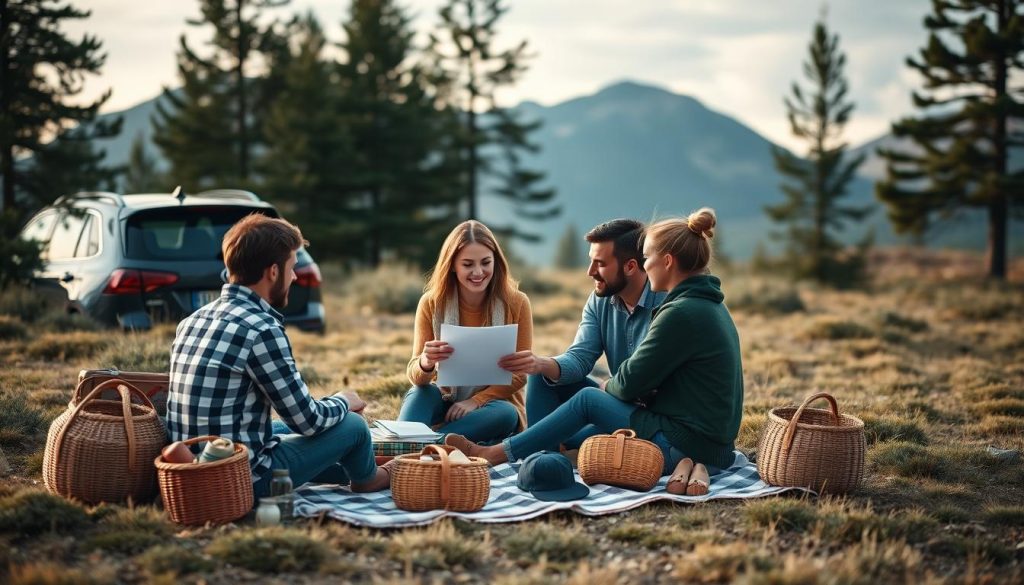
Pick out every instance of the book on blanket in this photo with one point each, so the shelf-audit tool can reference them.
(402, 430)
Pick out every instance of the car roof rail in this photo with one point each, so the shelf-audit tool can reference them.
(229, 194)
(93, 195)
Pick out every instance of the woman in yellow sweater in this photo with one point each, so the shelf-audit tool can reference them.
(469, 286)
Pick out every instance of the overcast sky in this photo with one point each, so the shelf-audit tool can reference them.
(738, 57)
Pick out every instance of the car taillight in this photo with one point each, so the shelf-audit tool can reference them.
(308, 276)
(124, 281)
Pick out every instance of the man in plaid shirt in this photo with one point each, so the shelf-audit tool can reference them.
(231, 363)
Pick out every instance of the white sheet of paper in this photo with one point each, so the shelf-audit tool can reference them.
(475, 359)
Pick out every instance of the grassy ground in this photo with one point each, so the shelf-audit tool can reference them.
(930, 356)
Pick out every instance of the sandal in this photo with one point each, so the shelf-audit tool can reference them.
(677, 484)
(699, 482)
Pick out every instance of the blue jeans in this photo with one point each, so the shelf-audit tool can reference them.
(589, 406)
(487, 424)
(542, 399)
(341, 454)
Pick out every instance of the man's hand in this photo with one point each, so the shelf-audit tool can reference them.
(434, 351)
(459, 410)
(355, 403)
(526, 362)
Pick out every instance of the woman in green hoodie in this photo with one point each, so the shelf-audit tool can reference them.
(683, 386)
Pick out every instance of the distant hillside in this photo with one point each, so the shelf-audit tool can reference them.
(641, 151)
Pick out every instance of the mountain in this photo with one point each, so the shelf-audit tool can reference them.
(634, 150)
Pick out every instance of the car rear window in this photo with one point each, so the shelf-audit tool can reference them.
(182, 233)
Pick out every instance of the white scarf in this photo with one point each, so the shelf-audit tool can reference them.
(451, 317)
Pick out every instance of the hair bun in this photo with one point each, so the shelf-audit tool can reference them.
(702, 222)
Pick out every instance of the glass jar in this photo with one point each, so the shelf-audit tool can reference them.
(267, 513)
(281, 491)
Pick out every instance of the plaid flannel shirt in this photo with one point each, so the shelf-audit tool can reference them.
(231, 363)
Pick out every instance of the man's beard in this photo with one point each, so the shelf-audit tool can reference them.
(613, 288)
(279, 293)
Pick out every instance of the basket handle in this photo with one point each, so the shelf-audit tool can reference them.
(445, 470)
(620, 445)
(124, 389)
(76, 396)
(787, 440)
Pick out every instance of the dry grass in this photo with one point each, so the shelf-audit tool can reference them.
(931, 357)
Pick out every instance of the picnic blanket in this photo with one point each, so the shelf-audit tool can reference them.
(507, 503)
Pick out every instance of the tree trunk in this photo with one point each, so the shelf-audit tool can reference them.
(997, 209)
(375, 228)
(7, 153)
(243, 138)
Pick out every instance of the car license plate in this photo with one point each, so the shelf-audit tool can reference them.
(203, 297)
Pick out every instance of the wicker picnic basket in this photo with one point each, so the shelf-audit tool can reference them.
(216, 492)
(620, 459)
(102, 450)
(439, 484)
(810, 447)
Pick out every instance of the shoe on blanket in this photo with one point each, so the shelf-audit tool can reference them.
(677, 484)
(495, 454)
(699, 483)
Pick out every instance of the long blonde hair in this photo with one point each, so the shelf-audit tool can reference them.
(442, 281)
(686, 239)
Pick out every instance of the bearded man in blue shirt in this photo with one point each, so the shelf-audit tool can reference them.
(232, 365)
(615, 320)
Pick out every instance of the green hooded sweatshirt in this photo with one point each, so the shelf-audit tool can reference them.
(687, 373)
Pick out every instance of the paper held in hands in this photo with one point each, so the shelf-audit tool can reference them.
(475, 359)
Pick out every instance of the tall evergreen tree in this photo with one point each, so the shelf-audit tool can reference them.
(494, 139)
(816, 185)
(207, 131)
(569, 253)
(308, 157)
(41, 70)
(402, 186)
(962, 140)
(141, 174)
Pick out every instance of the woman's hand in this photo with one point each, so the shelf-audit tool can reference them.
(521, 362)
(434, 351)
(459, 410)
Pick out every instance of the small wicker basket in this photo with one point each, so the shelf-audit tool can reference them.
(439, 484)
(217, 492)
(622, 460)
(102, 450)
(814, 448)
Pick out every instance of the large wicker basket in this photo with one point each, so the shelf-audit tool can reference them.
(217, 492)
(813, 448)
(439, 484)
(620, 459)
(102, 450)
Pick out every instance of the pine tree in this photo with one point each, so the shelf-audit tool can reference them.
(962, 141)
(493, 139)
(309, 151)
(402, 186)
(41, 71)
(207, 131)
(142, 175)
(813, 210)
(569, 252)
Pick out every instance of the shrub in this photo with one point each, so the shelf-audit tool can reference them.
(768, 299)
(63, 322)
(22, 303)
(721, 563)
(19, 420)
(1005, 515)
(136, 352)
(130, 530)
(32, 512)
(874, 561)
(898, 321)
(11, 328)
(172, 559)
(889, 427)
(66, 346)
(557, 543)
(999, 406)
(390, 288)
(270, 550)
(439, 546)
(393, 385)
(835, 329)
(648, 536)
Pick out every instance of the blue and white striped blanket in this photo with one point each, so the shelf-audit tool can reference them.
(507, 503)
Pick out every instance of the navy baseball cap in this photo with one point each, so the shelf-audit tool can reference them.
(548, 476)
